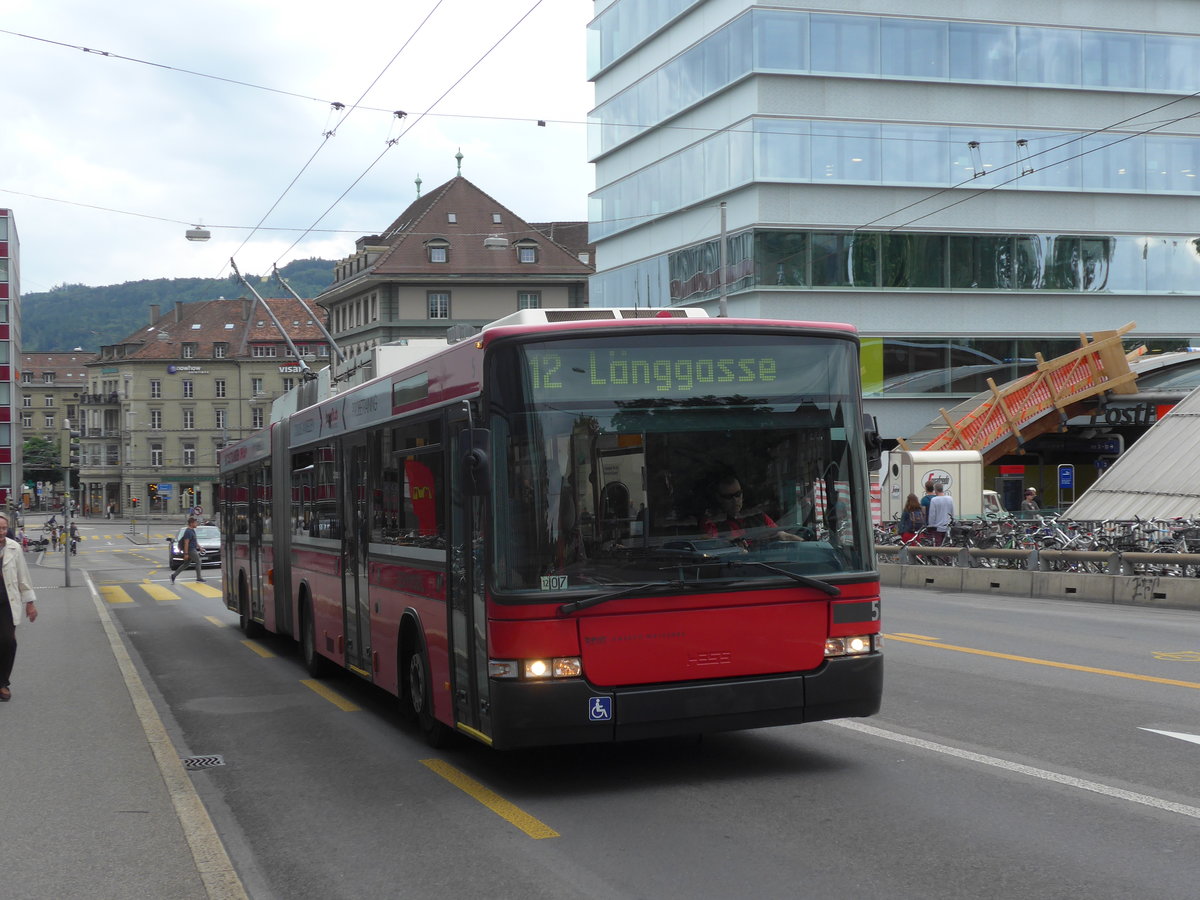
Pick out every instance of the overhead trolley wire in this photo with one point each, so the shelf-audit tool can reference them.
(333, 131)
(391, 143)
(285, 93)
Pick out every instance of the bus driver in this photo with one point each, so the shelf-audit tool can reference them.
(735, 526)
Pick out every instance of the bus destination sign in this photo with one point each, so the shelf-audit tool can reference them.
(579, 374)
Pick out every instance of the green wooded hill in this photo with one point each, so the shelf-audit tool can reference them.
(75, 315)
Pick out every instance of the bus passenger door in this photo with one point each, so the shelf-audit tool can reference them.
(356, 537)
(259, 484)
(468, 619)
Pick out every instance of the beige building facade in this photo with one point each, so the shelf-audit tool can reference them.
(455, 256)
(49, 395)
(163, 401)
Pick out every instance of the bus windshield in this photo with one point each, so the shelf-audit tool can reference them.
(714, 457)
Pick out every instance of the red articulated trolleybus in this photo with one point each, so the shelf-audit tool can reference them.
(578, 526)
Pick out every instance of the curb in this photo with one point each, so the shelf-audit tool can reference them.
(216, 870)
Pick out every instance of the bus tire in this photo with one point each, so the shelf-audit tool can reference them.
(318, 666)
(250, 628)
(436, 734)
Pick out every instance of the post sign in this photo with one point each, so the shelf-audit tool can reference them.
(1066, 484)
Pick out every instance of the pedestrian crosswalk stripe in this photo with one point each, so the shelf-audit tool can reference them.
(158, 592)
(113, 594)
(200, 587)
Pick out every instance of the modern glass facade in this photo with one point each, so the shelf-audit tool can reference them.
(624, 25)
(907, 261)
(897, 367)
(824, 152)
(966, 191)
(800, 43)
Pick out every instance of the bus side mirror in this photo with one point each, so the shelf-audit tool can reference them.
(476, 464)
(873, 442)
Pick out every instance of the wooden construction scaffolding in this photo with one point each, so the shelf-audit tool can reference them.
(1044, 400)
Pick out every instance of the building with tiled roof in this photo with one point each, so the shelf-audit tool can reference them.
(161, 402)
(48, 397)
(455, 256)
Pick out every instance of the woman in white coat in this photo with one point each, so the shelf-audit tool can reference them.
(17, 590)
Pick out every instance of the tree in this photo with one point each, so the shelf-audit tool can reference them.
(41, 459)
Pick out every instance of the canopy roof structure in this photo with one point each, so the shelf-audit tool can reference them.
(1158, 477)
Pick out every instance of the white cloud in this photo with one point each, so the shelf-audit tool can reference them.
(106, 132)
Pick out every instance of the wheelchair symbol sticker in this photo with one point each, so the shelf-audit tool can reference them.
(600, 709)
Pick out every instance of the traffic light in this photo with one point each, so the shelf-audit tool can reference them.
(69, 448)
(133, 502)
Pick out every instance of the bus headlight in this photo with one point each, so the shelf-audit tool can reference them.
(853, 645)
(536, 669)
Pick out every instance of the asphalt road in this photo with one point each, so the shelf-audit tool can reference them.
(1031, 749)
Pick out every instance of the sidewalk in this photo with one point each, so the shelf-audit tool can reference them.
(95, 801)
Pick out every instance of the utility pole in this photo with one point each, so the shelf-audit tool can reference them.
(70, 460)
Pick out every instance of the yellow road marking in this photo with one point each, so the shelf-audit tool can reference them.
(215, 621)
(919, 637)
(114, 594)
(200, 587)
(512, 814)
(1047, 662)
(1177, 655)
(259, 649)
(332, 696)
(159, 592)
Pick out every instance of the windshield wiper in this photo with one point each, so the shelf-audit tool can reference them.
(831, 589)
(575, 605)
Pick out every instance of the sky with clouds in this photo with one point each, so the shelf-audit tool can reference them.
(106, 160)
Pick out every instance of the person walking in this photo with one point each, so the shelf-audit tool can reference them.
(1030, 504)
(928, 497)
(941, 512)
(18, 597)
(190, 548)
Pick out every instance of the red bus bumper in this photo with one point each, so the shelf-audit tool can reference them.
(544, 713)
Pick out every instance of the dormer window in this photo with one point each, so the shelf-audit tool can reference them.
(438, 250)
(495, 218)
(527, 251)
(190, 349)
(452, 218)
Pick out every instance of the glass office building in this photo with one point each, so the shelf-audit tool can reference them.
(968, 189)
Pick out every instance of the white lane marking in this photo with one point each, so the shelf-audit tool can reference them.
(1044, 774)
(1194, 738)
